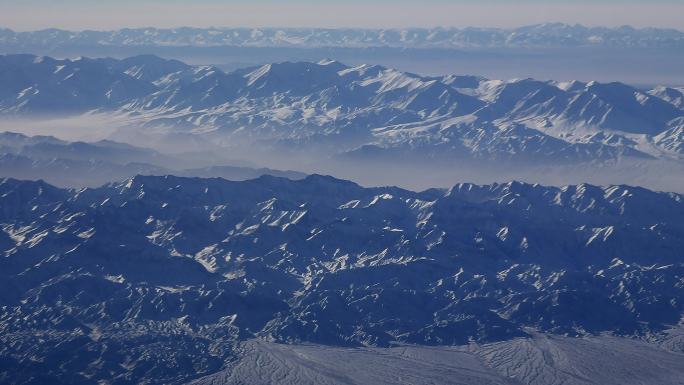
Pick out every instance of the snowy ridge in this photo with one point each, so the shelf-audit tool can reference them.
(542, 35)
(362, 111)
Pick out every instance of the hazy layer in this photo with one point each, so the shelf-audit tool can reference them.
(183, 151)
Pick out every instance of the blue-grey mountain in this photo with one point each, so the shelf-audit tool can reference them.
(357, 112)
(161, 279)
(542, 35)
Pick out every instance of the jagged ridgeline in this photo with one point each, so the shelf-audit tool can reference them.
(541, 35)
(364, 112)
(161, 278)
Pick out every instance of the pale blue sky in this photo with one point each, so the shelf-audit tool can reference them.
(109, 14)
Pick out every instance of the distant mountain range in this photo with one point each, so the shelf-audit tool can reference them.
(542, 35)
(160, 279)
(81, 164)
(362, 112)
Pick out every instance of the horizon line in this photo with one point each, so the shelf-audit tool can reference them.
(313, 27)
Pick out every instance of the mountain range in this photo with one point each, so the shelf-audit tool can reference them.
(542, 35)
(165, 279)
(152, 231)
(81, 164)
(359, 112)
